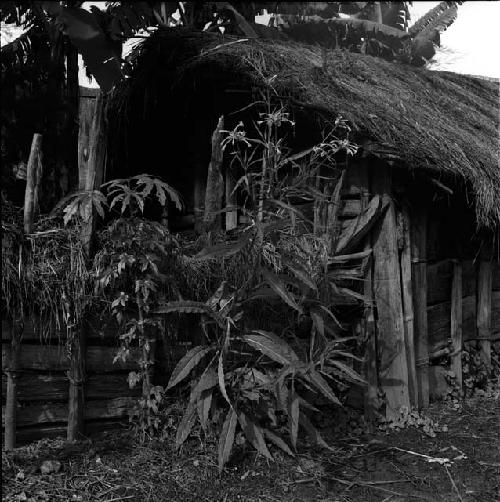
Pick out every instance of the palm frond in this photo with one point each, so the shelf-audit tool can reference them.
(432, 17)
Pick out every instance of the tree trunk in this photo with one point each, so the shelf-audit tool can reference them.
(393, 371)
(215, 183)
(419, 281)
(33, 179)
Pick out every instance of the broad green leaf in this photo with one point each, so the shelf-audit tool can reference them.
(203, 407)
(254, 435)
(280, 443)
(279, 287)
(312, 431)
(322, 385)
(186, 424)
(272, 346)
(186, 364)
(293, 418)
(226, 438)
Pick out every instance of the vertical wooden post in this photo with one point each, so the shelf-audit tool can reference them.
(85, 119)
(76, 376)
(393, 371)
(368, 323)
(215, 187)
(406, 287)
(11, 371)
(456, 322)
(419, 281)
(95, 168)
(484, 295)
(231, 209)
(71, 120)
(33, 179)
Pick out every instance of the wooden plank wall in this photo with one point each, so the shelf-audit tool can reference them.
(43, 383)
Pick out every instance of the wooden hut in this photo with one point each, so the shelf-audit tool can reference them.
(428, 150)
(422, 192)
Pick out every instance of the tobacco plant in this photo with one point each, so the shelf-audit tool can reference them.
(246, 375)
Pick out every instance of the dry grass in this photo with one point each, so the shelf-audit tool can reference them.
(441, 121)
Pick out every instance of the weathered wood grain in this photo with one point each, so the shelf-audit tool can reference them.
(418, 230)
(98, 359)
(393, 370)
(439, 277)
(456, 314)
(54, 387)
(483, 319)
(48, 413)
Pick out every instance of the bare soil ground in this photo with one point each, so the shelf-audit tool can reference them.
(395, 466)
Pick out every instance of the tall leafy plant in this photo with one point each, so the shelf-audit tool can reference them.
(129, 270)
(247, 375)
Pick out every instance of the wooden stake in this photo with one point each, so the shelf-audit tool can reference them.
(76, 376)
(33, 179)
(406, 287)
(214, 190)
(85, 119)
(456, 322)
(231, 203)
(419, 290)
(484, 294)
(97, 162)
(393, 370)
(11, 371)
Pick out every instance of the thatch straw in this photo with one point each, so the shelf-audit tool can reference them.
(441, 121)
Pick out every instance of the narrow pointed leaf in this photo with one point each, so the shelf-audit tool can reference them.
(272, 346)
(293, 419)
(279, 442)
(312, 431)
(186, 424)
(353, 375)
(279, 287)
(254, 435)
(222, 384)
(322, 385)
(203, 407)
(207, 381)
(303, 276)
(186, 364)
(318, 322)
(226, 439)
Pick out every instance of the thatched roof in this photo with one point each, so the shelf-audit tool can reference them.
(439, 121)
